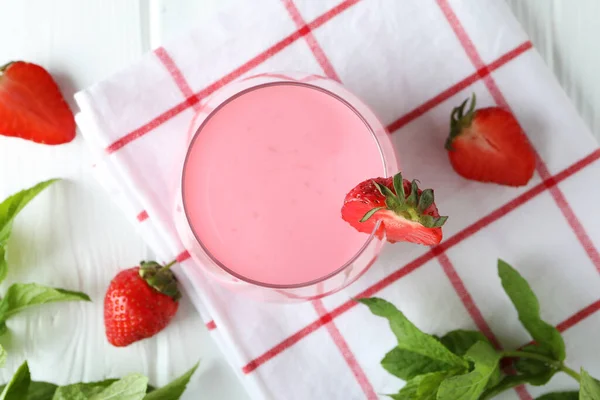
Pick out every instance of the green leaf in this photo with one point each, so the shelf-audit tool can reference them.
(41, 391)
(406, 365)
(459, 341)
(471, 385)
(10, 207)
(495, 378)
(537, 372)
(384, 190)
(24, 295)
(173, 390)
(412, 198)
(559, 396)
(18, 386)
(589, 387)
(82, 390)
(528, 308)
(409, 336)
(370, 213)
(422, 387)
(3, 355)
(131, 387)
(3, 264)
(399, 186)
(426, 200)
(504, 384)
(438, 222)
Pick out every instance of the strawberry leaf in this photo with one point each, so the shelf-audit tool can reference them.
(384, 190)
(438, 222)
(590, 387)
(173, 390)
(21, 296)
(528, 308)
(410, 337)
(426, 200)
(471, 385)
(399, 185)
(413, 197)
(370, 213)
(18, 386)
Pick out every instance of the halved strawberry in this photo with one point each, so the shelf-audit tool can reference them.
(31, 105)
(488, 145)
(407, 213)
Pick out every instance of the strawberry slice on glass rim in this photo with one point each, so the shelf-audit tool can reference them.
(406, 213)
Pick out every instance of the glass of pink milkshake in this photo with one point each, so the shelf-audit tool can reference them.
(270, 160)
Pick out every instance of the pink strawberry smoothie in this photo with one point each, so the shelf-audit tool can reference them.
(266, 177)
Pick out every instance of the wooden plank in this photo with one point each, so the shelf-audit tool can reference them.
(73, 236)
(564, 33)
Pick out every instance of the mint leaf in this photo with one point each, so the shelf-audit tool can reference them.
(528, 308)
(10, 207)
(131, 387)
(409, 336)
(41, 391)
(459, 341)
(38, 391)
(505, 383)
(406, 365)
(471, 385)
(24, 295)
(82, 390)
(559, 396)
(173, 390)
(3, 264)
(18, 386)
(537, 372)
(589, 387)
(2, 356)
(422, 387)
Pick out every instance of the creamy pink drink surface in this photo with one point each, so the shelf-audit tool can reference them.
(265, 180)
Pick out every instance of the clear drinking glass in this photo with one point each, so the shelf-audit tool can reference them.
(349, 270)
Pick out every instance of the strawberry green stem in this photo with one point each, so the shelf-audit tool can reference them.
(168, 266)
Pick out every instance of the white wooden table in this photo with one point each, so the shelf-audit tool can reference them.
(72, 237)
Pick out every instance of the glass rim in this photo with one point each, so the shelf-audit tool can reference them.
(214, 259)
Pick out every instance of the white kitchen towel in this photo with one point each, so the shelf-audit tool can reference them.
(411, 61)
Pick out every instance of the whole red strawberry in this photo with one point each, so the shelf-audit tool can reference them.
(31, 105)
(488, 145)
(139, 303)
(406, 213)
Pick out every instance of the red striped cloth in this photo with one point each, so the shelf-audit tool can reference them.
(411, 61)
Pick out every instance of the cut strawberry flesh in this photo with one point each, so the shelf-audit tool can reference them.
(32, 107)
(400, 223)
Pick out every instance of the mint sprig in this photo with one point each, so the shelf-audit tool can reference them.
(463, 365)
(528, 308)
(21, 296)
(9, 209)
(130, 387)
